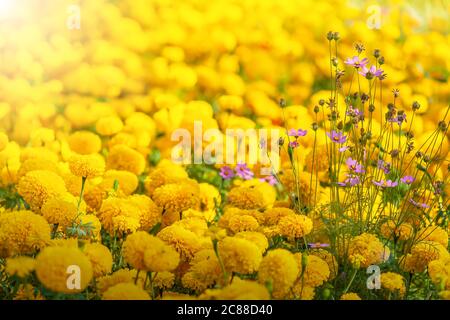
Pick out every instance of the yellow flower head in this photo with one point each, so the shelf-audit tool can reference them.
(55, 264)
(279, 269)
(84, 142)
(38, 186)
(87, 165)
(240, 255)
(100, 257)
(125, 291)
(22, 232)
(20, 266)
(125, 158)
(295, 226)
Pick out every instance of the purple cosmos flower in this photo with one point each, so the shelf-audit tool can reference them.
(351, 181)
(226, 172)
(371, 72)
(297, 133)
(419, 204)
(243, 171)
(337, 137)
(269, 179)
(355, 62)
(384, 166)
(344, 148)
(293, 144)
(354, 166)
(318, 245)
(407, 179)
(385, 184)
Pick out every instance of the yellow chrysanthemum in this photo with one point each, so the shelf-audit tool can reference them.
(295, 226)
(239, 255)
(84, 142)
(238, 290)
(393, 282)
(122, 157)
(20, 266)
(100, 257)
(55, 264)
(279, 269)
(22, 232)
(62, 210)
(109, 126)
(125, 291)
(87, 165)
(38, 186)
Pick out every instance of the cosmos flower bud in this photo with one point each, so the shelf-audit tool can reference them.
(415, 106)
(330, 35)
(376, 53)
(336, 36)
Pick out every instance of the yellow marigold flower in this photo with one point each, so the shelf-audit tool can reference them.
(434, 233)
(256, 237)
(20, 266)
(22, 232)
(439, 272)
(295, 226)
(160, 257)
(393, 282)
(239, 255)
(350, 296)
(391, 229)
(177, 197)
(186, 242)
(230, 212)
(36, 164)
(62, 209)
(209, 196)
(87, 166)
(302, 292)
(369, 247)
(120, 276)
(73, 183)
(52, 265)
(205, 271)
(164, 280)
(273, 215)
(100, 257)
(125, 291)
(238, 290)
(123, 138)
(84, 142)
(279, 268)
(238, 223)
(125, 225)
(196, 225)
(38, 186)
(38, 152)
(150, 213)
(329, 258)
(122, 157)
(269, 193)
(115, 207)
(422, 253)
(164, 174)
(109, 126)
(316, 271)
(135, 246)
(128, 181)
(246, 198)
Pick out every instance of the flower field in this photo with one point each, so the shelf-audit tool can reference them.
(224, 149)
